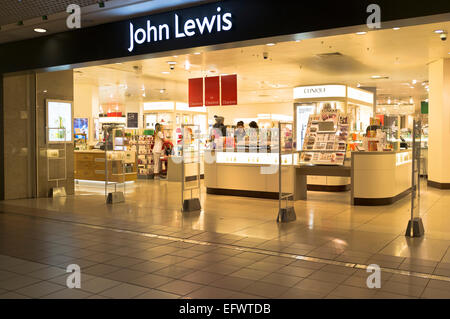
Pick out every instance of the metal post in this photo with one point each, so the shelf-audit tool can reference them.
(287, 214)
(415, 225)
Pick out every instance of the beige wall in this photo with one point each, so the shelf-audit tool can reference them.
(86, 104)
(439, 122)
(249, 111)
(56, 86)
(19, 136)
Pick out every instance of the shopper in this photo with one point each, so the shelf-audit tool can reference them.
(157, 149)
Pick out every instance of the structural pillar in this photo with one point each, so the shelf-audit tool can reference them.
(439, 124)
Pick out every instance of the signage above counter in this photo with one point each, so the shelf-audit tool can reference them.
(331, 91)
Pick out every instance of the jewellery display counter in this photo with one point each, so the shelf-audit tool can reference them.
(247, 174)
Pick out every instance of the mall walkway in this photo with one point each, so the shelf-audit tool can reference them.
(146, 248)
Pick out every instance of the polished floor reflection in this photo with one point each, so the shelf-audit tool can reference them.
(39, 237)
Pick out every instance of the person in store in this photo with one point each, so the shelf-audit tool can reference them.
(158, 149)
(239, 135)
(253, 124)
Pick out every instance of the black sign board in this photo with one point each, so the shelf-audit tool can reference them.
(132, 120)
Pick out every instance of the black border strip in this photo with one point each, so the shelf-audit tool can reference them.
(380, 201)
(242, 193)
(329, 188)
(438, 185)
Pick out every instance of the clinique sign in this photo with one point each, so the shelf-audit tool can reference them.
(199, 26)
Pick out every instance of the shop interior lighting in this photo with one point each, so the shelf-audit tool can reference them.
(165, 72)
(396, 28)
(40, 30)
(197, 53)
(414, 82)
(270, 44)
(361, 32)
(440, 31)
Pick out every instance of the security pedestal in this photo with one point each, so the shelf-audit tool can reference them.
(191, 205)
(415, 228)
(415, 225)
(58, 192)
(115, 197)
(286, 149)
(286, 215)
(190, 156)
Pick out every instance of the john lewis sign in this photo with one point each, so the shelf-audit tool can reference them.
(182, 28)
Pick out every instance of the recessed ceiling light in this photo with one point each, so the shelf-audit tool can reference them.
(161, 91)
(440, 31)
(298, 40)
(40, 30)
(171, 62)
(358, 85)
(270, 44)
(361, 32)
(165, 72)
(414, 81)
(197, 53)
(396, 28)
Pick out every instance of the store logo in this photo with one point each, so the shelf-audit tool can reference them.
(315, 90)
(189, 28)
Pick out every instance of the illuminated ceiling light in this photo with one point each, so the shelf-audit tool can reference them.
(361, 32)
(440, 31)
(171, 62)
(187, 65)
(298, 40)
(396, 28)
(377, 77)
(162, 91)
(165, 72)
(175, 56)
(197, 53)
(389, 101)
(411, 101)
(270, 44)
(414, 82)
(358, 85)
(40, 30)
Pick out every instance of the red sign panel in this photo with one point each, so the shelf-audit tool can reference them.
(212, 91)
(229, 89)
(196, 92)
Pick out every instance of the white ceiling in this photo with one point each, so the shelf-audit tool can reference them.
(400, 55)
(31, 12)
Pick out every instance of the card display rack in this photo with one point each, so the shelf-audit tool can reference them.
(326, 139)
(143, 145)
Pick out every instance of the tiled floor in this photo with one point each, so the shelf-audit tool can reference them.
(232, 249)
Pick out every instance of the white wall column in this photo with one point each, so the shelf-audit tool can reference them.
(439, 124)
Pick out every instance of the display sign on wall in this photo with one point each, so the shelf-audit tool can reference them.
(81, 126)
(320, 91)
(59, 119)
(196, 92)
(229, 89)
(132, 120)
(212, 91)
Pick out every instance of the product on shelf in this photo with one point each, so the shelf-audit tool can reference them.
(326, 139)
